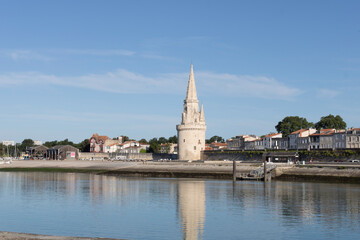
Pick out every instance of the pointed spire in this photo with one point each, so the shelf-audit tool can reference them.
(202, 116)
(191, 90)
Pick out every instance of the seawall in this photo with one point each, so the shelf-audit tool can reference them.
(211, 169)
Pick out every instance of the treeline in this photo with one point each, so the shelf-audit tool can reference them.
(293, 123)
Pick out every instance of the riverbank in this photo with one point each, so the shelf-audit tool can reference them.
(29, 236)
(211, 169)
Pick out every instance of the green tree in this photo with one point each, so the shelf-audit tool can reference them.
(162, 140)
(26, 143)
(51, 144)
(84, 146)
(291, 124)
(143, 141)
(330, 121)
(215, 139)
(67, 142)
(2, 149)
(125, 138)
(173, 139)
(154, 145)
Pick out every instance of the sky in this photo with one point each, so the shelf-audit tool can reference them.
(69, 69)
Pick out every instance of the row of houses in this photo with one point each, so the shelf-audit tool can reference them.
(303, 139)
(103, 144)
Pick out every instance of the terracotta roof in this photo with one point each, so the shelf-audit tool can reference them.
(271, 135)
(299, 131)
(326, 130)
(218, 144)
(99, 138)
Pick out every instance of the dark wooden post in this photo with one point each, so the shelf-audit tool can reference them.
(234, 170)
(265, 171)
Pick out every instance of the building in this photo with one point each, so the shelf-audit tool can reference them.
(37, 142)
(269, 142)
(280, 143)
(238, 143)
(191, 131)
(168, 148)
(353, 138)
(300, 139)
(62, 152)
(259, 144)
(218, 146)
(349, 139)
(109, 144)
(37, 152)
(322, 139)
(97, 143)
(8, 143)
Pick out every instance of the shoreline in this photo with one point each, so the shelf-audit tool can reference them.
(30, 236)
(210, 170)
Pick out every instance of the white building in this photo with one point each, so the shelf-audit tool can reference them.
(269, 142)
(8, 143)
(37, 142)
(191, 131)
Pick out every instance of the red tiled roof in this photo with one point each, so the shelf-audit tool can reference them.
(218, 144)
(99, 138)
(271, 135)
(299, 131)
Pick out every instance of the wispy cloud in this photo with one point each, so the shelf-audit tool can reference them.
(247, 86)
(124, 81)
(97, 52)
(67, 116)
(23, 54)
(51, 54)
(327, 93)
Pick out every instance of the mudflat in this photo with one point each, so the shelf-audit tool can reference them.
(29, 236)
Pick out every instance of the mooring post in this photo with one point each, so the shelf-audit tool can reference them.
(234, 170)
(265, 172)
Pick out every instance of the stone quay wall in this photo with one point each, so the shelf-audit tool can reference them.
(342, 155)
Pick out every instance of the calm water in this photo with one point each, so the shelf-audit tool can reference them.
(138, 208)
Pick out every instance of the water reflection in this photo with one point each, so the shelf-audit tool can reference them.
(191, 205)
(138, 208)
(304, 203)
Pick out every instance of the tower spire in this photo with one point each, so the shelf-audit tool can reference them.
(191, 90)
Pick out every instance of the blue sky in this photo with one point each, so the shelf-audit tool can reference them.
(69, 69)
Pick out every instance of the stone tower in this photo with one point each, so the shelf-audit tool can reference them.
(191, 131)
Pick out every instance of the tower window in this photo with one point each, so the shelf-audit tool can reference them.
(194, 147)
(184, 140)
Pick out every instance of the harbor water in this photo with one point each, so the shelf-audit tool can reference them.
(90, 205)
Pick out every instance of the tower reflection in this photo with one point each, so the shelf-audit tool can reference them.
(191, 206)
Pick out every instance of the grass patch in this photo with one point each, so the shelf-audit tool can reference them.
(341, 167)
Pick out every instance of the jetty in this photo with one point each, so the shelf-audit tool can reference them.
(262, 173)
